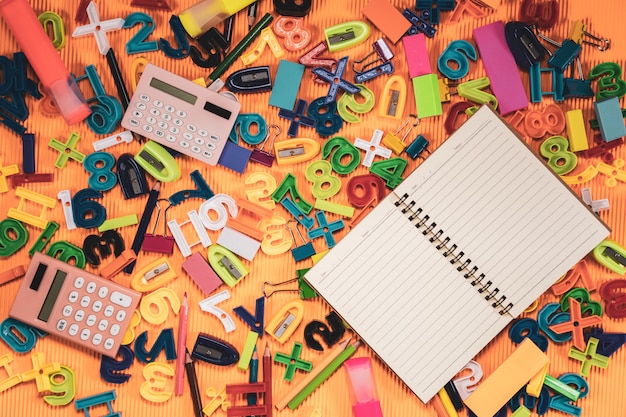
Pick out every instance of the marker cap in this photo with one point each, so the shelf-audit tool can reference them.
(209, 13)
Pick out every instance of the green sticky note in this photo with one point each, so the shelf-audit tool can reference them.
(286, 84)
(427, 96)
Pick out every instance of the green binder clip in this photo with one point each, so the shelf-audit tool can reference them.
(346, 35)
(226, 264)
(158, 162)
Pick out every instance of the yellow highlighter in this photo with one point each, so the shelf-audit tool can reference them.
(209, 13)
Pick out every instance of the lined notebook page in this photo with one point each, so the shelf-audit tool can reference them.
(405, 300)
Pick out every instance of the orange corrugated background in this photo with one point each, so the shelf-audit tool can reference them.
(606, 390)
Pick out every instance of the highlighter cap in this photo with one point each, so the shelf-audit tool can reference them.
(209, 13)
(69, 100)
(363, 392)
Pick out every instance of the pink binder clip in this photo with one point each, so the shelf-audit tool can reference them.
(155, 243)
(363, 390)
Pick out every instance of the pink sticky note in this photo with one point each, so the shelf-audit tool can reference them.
(417, 55)
(501, 68)
(202, 273)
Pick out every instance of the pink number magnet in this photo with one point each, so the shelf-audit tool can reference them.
(363, 390)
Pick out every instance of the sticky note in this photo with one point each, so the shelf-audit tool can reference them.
(387, 19)
(416, 55)
(427, 96)
(519, 368)
(286, 84)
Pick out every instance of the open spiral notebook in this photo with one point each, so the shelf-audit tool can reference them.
(467, 242)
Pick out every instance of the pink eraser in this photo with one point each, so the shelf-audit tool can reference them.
(363, 391)
(202, 273)
(500, 67)
(416, 55)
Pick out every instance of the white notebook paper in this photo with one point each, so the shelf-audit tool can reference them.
(509, 225)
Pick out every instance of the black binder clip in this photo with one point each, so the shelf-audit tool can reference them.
(384, 56)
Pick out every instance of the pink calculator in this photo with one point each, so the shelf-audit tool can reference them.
(74, 304)
(181, 114)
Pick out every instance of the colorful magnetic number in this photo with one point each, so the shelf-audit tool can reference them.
(296, 36)
(559, 158)
(543, 14)
(265, 39)
(609, 80)
(298, 8)
(614, 296)
(539, 123)
(472, 90)
(88, 213)
(62, 387)
(58, 28)
(457, 51)
(163, 343)
(214, 44)
(107, 112)
(587, 307)
(527, 328)
(580, 270)
(19, 336)
(349, 102)
(67, 252)
(276, 238)
(181, 39)
(467, 383)
(330, 335)
(344, 156)
(154, 389)
(390, 170)
(328, 121)
(111, 368)
(562, 403)
(264, 185)
(251, 126)
(325, 185)
(288, 185)
(13, 236)
(550, 315)
(365, 189)
(138, 43)
(100, 166)
(129, 336)
(222, 205)
(102, 244)
(523, 399)
(154, 308)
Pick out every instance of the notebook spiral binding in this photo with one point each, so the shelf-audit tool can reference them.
(451, 251)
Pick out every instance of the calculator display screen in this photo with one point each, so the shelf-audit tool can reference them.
(173, 91)
(53, 294)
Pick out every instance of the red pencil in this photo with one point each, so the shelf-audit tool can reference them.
(267, 378)
(183, 317)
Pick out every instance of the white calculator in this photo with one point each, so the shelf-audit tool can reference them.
(74, 304)
(181, 114)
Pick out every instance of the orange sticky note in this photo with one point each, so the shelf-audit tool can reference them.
(387, 19)
(519, 368)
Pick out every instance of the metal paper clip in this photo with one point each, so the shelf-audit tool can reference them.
(394, 142)
(278, 284)
(259, 155)
(155, 243)
(300, 253)
(381, 49)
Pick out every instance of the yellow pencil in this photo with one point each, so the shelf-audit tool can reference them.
(336, 351)
(447, 403)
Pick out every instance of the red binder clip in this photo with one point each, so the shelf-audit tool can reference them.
(155, 243)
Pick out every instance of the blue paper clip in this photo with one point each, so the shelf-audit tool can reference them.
(297, 118)
(419, 23)
(181, 39)
(335, 80)
(256, 322)
(250, 80)
(297, 213)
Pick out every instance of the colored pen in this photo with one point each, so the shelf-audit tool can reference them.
(45, 60)
(192, 378)
(143, 223)
(183, 318)
(267, 378)
(324, 375)
(252, 14)
(241, 46)
(254, 376)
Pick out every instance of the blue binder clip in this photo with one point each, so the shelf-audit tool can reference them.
(297, 118)
(565, 55)
(419, 23)
(306, 250)
(577, 87)
(415, 149)
(335, 80)
(256, 322)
